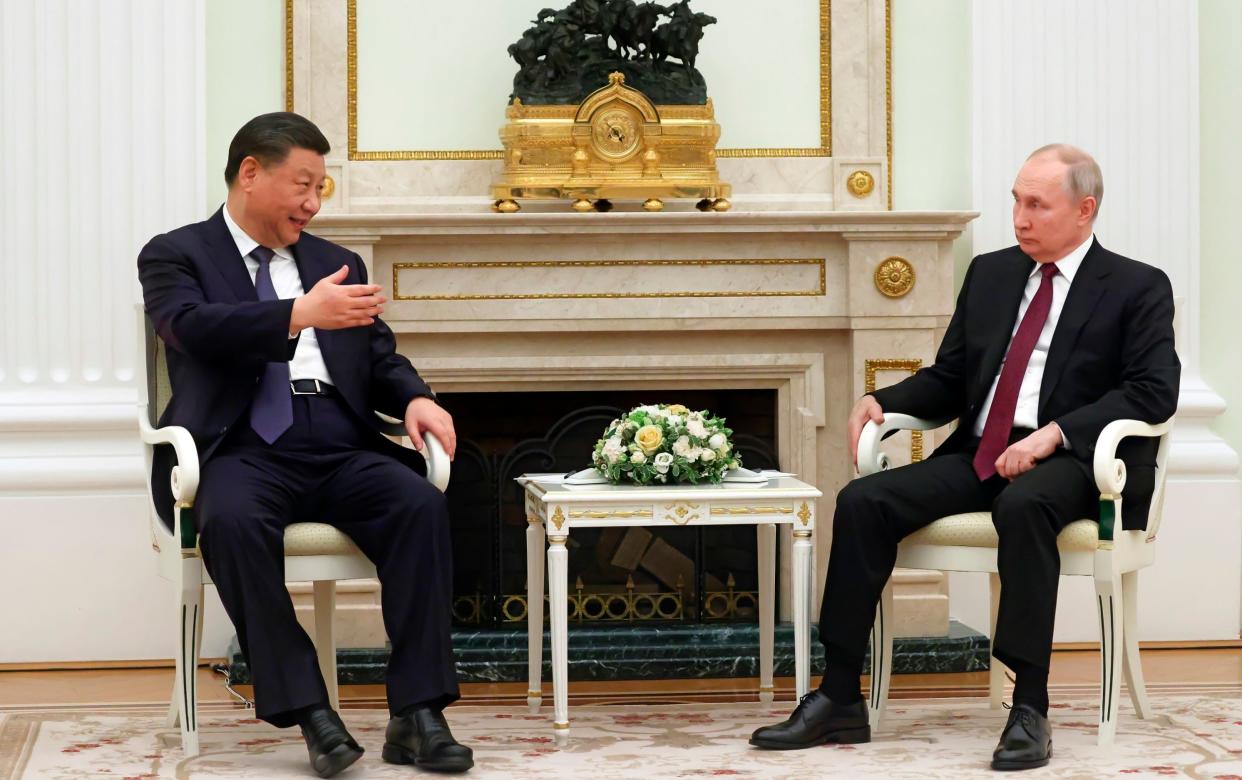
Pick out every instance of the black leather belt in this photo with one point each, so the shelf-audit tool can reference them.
(312, 387)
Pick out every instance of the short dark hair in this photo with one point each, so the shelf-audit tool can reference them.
(269, 138)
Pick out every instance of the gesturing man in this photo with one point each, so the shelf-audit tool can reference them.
(1050, 341)
(278, 360)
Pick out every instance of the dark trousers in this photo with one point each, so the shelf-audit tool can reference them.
(321, 470)
(874, 513)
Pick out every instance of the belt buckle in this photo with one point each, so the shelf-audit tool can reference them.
(317, 391)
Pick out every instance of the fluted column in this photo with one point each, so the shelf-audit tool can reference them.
(1121, 80)
(102, 148)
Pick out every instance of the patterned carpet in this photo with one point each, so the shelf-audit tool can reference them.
(1197, 733)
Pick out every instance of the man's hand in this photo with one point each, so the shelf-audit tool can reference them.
(867, 408)
(331, 305)
(1021, 456)
(424, 414)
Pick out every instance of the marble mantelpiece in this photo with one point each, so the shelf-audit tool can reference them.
(747, 299)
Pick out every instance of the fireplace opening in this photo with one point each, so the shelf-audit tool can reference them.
(616, 575)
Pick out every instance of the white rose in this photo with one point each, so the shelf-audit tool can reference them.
(707, 455)
(717, 441)
(675, 420)
(694, 454)
(638, 458)
(681, 447)
(662, 462)
(696, 429)
(613, 449)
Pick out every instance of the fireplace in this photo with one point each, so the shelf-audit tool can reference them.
(622, 575)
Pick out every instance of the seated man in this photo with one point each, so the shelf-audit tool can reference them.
(278, 360)
(1051, 340)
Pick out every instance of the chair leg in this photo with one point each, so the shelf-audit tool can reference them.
(190, 621)
(325, 641)
(881, 656)
(996, 669)
(1110, 601)
(1129, 633)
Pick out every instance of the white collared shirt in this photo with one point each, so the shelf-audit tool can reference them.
(307, 360)
(1026, 415)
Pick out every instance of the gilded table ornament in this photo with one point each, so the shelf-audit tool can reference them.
(894, 277)
(616, 144)
(860, 184)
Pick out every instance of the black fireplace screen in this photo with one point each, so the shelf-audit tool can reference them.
(615, 574)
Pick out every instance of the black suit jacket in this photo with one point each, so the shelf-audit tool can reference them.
(1111, 358)
(219, 335)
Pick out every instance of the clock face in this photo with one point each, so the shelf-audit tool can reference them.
(616, 132)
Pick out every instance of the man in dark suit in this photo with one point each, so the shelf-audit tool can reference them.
(278, 361)
(1051, 340)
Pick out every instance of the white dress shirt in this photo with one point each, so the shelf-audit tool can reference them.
(1026, 415)
(307, 360)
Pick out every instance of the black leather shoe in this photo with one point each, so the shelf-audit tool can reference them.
(422, 738)
(331, 747)
(1026, 742)
(815, 721)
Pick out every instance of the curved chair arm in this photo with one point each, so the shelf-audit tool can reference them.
(870, 458)
(438, 465)
(1110, 471)
(437, 458)
(185, 473)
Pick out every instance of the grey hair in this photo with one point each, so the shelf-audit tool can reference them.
(1082, 176)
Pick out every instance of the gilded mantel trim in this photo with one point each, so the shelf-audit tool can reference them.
(870, 367)
(825, 101)
(819, 290)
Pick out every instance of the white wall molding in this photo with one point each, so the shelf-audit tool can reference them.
(104, 136)
(102, 107)
(1121, 80)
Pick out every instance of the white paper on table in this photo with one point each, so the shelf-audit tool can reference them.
(742, 475)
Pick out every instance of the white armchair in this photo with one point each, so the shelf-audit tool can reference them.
(1097, 548)
(314, 552)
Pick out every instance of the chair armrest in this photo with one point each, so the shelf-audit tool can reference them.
(438, 465)
(185, 473)
(870, 458)
(1110, 471)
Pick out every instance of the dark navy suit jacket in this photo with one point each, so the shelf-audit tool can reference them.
(1111, 358)
(203, 305)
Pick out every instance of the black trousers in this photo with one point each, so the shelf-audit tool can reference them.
(874, 513)
(321, 470)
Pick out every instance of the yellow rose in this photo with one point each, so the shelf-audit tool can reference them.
(649, 438)
(677, 409)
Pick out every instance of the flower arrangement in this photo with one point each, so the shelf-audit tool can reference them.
(665, 443)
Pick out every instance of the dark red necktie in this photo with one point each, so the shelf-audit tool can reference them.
(1005, 402)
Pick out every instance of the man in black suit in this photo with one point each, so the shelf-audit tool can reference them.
(1051, 340)
(278, 360)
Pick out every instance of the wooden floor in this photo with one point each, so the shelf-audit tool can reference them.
(1070, 669)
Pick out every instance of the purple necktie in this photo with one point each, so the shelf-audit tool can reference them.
(1005, 401)
(271, 412)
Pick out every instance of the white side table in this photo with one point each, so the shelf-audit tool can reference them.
(553, 509)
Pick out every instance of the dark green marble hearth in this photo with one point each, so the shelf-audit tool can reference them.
(651, 652)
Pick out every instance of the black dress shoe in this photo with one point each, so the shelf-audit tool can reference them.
(330, 746)
(815, 721)
(1026, 742)
(422, 738)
